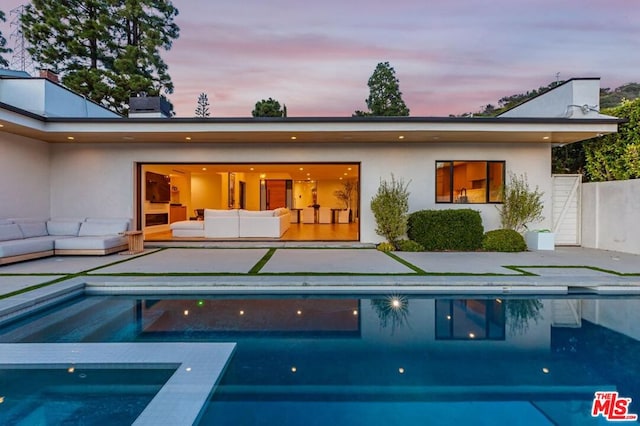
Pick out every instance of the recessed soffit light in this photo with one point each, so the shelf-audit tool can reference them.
(188, 138)
(70, 138)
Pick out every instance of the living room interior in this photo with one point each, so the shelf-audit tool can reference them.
(323, 198)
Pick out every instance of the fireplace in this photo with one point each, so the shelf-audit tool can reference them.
(153, 219)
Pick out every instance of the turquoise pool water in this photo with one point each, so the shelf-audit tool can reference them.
(76, 395)
(381, 359)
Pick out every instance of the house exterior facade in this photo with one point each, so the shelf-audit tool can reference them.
(91, 162)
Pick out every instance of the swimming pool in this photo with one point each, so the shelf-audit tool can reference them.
(380, 359)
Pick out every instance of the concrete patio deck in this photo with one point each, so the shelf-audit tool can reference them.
(266, 266)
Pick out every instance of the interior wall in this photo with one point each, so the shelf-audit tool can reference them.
(206, 191)
(25, 172)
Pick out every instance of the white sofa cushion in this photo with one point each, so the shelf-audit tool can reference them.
(93, 229)
(25, 246)
(188, 224)
(90, 243)
(33, 229)
(10, 231)
(220, 213)
(256, 213)
(63, 227)
(120, 220)
(281, 211)
(221, 223)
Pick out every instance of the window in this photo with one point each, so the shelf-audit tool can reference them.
(469, 181)
(469, 319)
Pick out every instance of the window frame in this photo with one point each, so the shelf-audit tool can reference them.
(451, 176)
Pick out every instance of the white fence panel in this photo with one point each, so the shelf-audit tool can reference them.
(566, 219)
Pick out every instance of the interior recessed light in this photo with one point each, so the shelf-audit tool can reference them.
(301, 168)
(340, 178)
(70, 138)
(308, 174)
(345, 173)
(204, 168)
(348, 168)
(251, 168)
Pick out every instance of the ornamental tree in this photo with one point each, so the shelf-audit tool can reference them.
(385, 98)
(202, 110)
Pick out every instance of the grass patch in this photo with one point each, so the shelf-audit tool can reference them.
(411, 266)
(258, 266)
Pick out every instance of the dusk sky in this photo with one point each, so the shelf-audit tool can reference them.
(451, 57)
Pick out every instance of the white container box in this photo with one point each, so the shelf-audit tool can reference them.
(540, 240)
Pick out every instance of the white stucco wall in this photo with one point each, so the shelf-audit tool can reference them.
(97, 179)
(565, 100)
(47, 99)
(25, 175)
(610, 215)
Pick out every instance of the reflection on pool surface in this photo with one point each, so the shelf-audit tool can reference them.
(388, 359)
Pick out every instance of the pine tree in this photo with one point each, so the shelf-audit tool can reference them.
(3, 44)
(202, 110)
(385, 98)
(106, 50)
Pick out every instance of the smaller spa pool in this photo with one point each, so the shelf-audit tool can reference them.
(77, 395)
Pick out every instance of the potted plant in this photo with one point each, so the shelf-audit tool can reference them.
(345, 194)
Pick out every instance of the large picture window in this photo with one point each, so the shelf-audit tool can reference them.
(469, 181)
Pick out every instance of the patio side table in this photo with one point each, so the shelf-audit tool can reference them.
(135, 240)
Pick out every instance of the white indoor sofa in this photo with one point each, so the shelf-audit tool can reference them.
(31, 238)
(264, 224)
(236, 223)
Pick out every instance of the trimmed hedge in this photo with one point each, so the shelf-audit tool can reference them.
(454, 229)
(409, 245)
(506, 240)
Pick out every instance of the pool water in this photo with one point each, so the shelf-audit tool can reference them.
(381, 359)
(76, 395)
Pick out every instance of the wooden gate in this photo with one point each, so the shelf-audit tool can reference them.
(566, 200)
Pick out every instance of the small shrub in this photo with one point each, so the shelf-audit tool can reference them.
(390, 206)
(409, 245)
(385, 247)
(455, 229)
(506, 240)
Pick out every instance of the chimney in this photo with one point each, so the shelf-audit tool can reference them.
(49, 75)
(149, 107)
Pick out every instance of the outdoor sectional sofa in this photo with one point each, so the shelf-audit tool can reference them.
(24, 239)
(236, 223)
